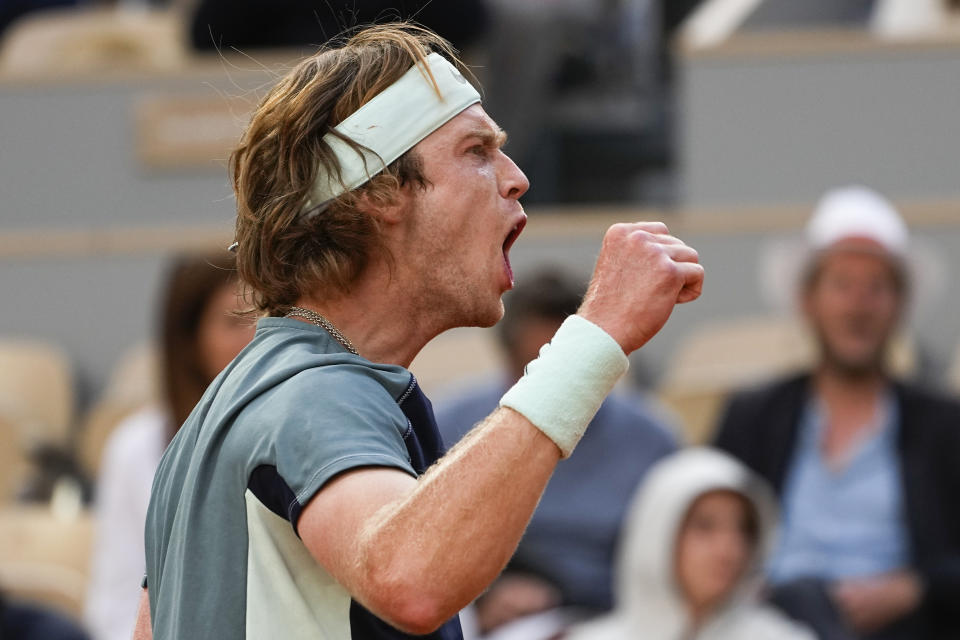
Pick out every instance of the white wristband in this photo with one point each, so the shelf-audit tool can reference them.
(562, 390)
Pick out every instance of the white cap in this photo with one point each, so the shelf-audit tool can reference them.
(857, 213)
(850, 213)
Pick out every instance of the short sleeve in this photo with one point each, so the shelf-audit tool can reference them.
(327, 422)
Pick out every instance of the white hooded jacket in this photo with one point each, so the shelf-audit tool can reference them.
(649, 603)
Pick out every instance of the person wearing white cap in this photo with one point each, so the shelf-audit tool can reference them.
(866, 466)
(308, 494)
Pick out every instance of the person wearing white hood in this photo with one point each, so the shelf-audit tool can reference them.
(693, 543)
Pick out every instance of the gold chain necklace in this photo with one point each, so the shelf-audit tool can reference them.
(317, 319)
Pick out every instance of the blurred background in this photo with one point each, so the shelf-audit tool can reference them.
(726, 119)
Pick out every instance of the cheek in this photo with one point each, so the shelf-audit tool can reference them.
(831, 302)
(690, 561)
(480, 182)
(710, 564)
(887, 306)
(740, 557)
(830, 312)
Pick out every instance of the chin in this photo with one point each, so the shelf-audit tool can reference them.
(490, 317)
(484, 316)
(856, 366)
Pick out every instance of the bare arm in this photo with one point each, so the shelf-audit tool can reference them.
(143, 630)
(415, 551)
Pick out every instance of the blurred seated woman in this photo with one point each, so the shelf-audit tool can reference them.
(688, 569)
(199, 334)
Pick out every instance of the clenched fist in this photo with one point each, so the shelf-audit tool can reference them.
(642, 272)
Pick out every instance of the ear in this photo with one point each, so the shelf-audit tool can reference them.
(387, 212)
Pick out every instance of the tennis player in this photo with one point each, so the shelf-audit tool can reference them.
(309, 495)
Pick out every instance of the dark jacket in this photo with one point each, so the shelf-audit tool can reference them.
(760, 428)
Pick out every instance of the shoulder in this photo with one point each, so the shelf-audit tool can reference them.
(315, 424)
(295, 368)
(931, 421)
(933, 403)
(347, 380)
(326, 407)
(759, 414)
(289, 353)
(756, 397)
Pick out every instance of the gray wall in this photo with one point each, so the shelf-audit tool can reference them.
(774, 124)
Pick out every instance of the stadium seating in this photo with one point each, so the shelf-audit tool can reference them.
(36, 406)
(59, 42)
(44, 557)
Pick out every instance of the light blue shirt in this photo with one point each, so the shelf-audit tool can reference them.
(845, 522)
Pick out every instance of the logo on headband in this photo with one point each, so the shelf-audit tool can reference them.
(457, 76)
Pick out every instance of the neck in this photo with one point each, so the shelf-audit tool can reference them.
(699, 613)
(851, 405)
(832, 383)
(380, 318)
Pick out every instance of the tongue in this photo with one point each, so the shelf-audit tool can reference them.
(506, 262)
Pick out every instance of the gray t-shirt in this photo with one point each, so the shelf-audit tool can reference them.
(290, 412)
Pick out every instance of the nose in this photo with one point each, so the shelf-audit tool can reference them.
(512, 181)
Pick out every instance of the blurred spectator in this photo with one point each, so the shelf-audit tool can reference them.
(19, 621)
(577, 85)
(199, 336)
(247, 24)
(866, 466)
(565, 557)
(693, 545)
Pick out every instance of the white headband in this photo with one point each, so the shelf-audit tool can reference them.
(391, 123)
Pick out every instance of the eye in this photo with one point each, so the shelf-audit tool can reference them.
(478, 149)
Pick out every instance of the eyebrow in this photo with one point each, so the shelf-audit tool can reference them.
(489, 137)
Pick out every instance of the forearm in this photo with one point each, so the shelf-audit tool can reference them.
(456, 531)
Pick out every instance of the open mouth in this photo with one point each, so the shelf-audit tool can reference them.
(511, 238)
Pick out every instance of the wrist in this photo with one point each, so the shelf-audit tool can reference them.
(623, 333)
(563, 388)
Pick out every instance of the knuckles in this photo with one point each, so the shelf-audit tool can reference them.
(616, 233)
(644, 250)
(625, 229)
